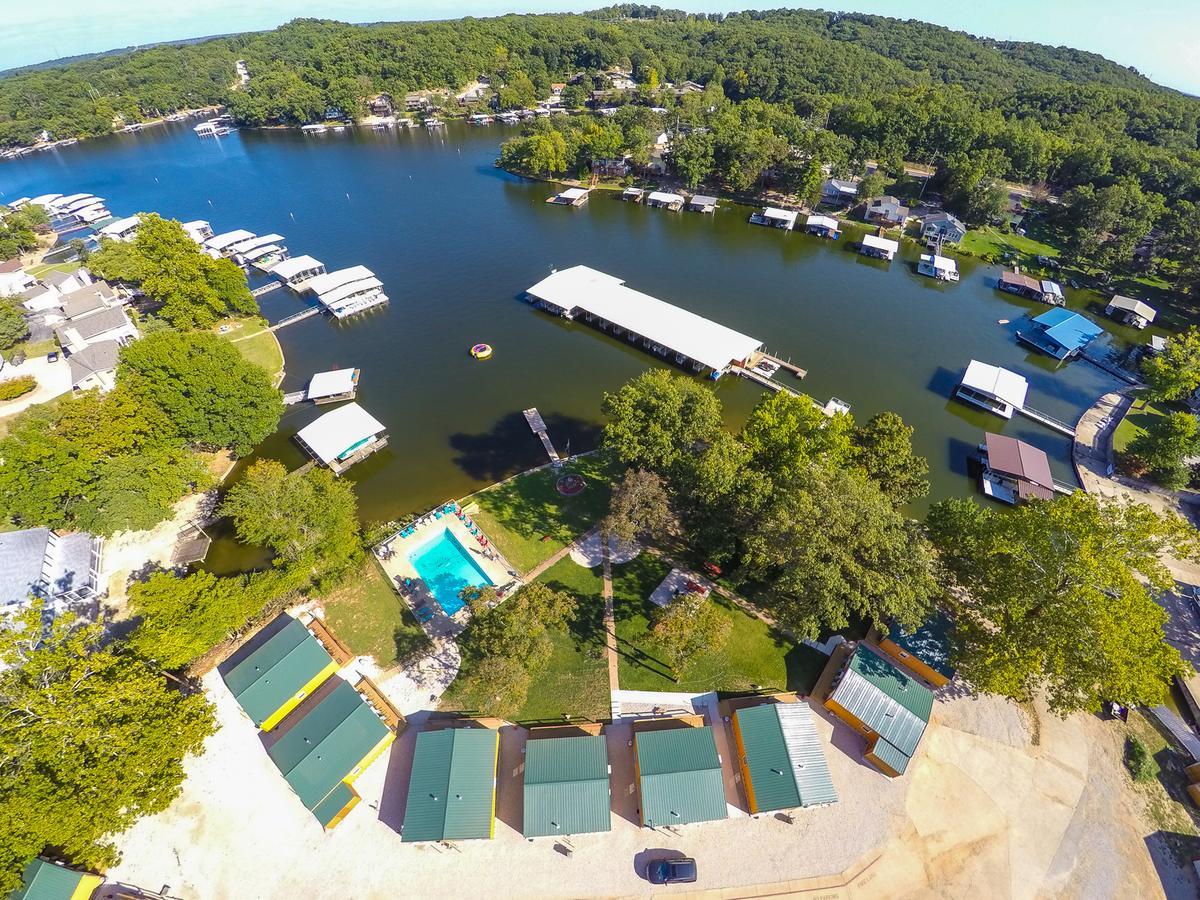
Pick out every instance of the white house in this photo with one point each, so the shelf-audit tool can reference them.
(943, 226)
(107, 324)
(838, 192)
(62, 569)
(15, 282)
(95, 366)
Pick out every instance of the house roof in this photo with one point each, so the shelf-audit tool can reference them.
(227, 239)
(842, 186)
(1069, 329)
(872, 240)
(930, 643)
(36, 560)
(334, 433)
(784, 757)
(276, 670)
(10, 265)
(114, 228)
(330, 384)
(1016, 458)
(88, 299)
(325, 745)
(703, 200)
(1000, 383)
(886, 699)
(43, 880)
(21, 556)
(566, 786)
(1137, 307)
(938, 217)
(95, 324)
(99, 357)
(452, 790)
(679, 776)
(56, 278)
(289, 268)
(606, 296)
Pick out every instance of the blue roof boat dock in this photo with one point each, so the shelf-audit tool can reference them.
(1060, 333)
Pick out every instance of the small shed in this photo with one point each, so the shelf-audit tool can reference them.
(992, 388)
(452, 790)
(566, 786)
(783, 764)
(1130, 311)
(679, 776)
(341, 438)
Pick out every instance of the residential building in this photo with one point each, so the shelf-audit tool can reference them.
(1013, 471)
(611, 167)
(67, 282)
(943, 227)
(106, 324)
(780, 755)
(452, 789)
(679, 775)
(925, 652)
(15, 281)
(122, 229)
(1060, 333)
(85, 301)
(1132, 312)
(39, 297)
(95, 366)
(885, 704)
(886, 210)
(382, 105)
(416, 101)
(566, 785)
(61, 569)
(839, 192)
(992, 388)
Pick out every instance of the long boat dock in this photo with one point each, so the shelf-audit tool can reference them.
(1046, 419)
(1178, 729)
(306, 313)
(538, 427)
(766, 382)
(1105, 366)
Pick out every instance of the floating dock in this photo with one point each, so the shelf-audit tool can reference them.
(538, 427)
(343, 437)
(327, 387)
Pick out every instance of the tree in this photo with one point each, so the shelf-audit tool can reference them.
(1174, 372)
(789, 435)
(1059, 596)
(810, 184)
(91, 738)
(518, 93)
(691, 156)
(639, 505)
(872, 184)
(496, 686)
(883, 449)
(517, 627)
(13, 327)
(831, 547)
(658, 417)
(309, 520)
(687, 625)
(214, 395)
(574, 96)
(1164, 445)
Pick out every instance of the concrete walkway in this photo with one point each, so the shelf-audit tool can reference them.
(536, 572)
(610, 627)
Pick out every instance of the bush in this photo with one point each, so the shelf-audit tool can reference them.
(17, 387)
(1138, 760)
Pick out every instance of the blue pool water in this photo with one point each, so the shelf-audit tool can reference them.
(446, 568)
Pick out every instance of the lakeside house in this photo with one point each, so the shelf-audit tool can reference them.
(839, 192)
(879, 247)
(566, 789)
(943, 227)
(925, 652)
(886, 210)
(943, 268)
(122, 229)
(779, 752)
(333, 736)
(774, 218)
(49, 292)
(702, 203)
(665, 200)
(343, 437)
(95, 366)
(1132, 312)
(62, 569)
(14, 280)
(611, 166)
(571, 197)
(992, 388)
(1013, 471)
(1060, 333)
(822, 226)
(678, 774)
(452, 788)
(99, 324)
(603, 300)
(297, 271)
(382, 105)
(884, 704)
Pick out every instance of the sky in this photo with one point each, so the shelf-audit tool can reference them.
(1158, 37)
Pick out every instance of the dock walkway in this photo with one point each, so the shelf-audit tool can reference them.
(266, 288)
(1105, 366)
(1046, 419)
(296, 317)
(1178, 729)
(538, 427)
(787, 364)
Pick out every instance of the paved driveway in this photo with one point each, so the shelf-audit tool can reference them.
(53, 378)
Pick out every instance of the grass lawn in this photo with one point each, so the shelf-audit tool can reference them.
(1140, 415)
(42, 268)
(1168, 806)
(530, 521)
(254, 341)
(371, 618)
(753, 655)
(993, 243)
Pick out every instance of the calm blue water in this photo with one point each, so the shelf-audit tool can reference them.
(446, 568)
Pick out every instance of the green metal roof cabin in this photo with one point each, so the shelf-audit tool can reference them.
(679, 776)
(44, 880)
(783, 763)
(320, 756)
(271, 680)
(452, 790)
(566, 786)
(925, 652)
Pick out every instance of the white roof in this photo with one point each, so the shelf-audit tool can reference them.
(1052, 287)
(330, 384)
(871, 240)
(771, 212)
(253, 242)
(260, 252)
(323, 284)
(196, 225)
(663, 197)
(573, 193)
(1137, 307)
(350, 289)
(823, 221)
(842, 186)
(940, 262)
(336, 432)
(112, 229)
(999, 383)
(289, 268)
(81, 204)
(63, 201)
(92, 213)
(227, 239)
(45, 199)
(684, 332)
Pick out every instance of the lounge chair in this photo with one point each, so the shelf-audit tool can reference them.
(438, 514)
(424, 614)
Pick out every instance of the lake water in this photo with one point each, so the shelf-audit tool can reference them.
(456, 241)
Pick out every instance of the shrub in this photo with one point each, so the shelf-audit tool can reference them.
(1138, 760)
(17, 387)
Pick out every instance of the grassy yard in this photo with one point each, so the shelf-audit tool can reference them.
(1140, 415)
(371, 618)
(1167, 805)
(530, 521)
(254, 341)
(42, 268)
(994, 243)
(754, 654)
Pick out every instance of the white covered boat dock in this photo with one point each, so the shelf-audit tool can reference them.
(341, 438)
(298, 271)
(660, 327)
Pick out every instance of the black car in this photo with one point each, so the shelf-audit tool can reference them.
(52, 356)
(672, 871)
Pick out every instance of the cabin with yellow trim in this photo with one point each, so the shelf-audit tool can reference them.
(925, 652)
(44, 880)
(780, 755)
(452, 790)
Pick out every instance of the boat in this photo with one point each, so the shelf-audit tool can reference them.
(1074, 284)
(313, 129)
(433, 122)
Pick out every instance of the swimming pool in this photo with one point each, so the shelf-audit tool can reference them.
(446, 567)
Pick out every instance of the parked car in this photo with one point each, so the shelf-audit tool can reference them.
(52, 356)
(672, 871)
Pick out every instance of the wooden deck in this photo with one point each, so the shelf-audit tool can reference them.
(538, 427)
